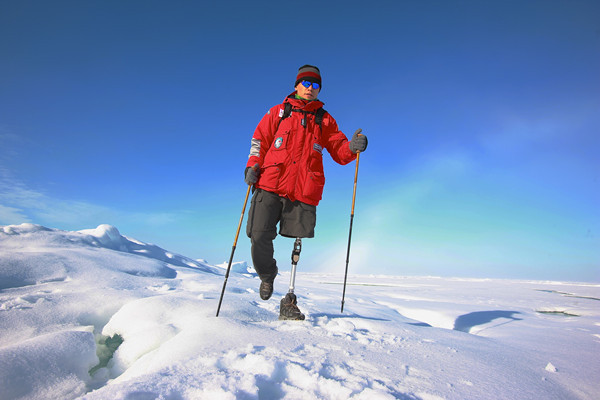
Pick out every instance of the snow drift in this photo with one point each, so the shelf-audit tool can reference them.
(96, 315)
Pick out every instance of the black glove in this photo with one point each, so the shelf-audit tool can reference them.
(252, 173)
(359, 142)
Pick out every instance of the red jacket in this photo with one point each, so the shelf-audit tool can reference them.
(291, 156)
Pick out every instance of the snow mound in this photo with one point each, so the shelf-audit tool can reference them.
(22, 269)
(108, 236)
(104, 236)
(50, 366)
(23, 229)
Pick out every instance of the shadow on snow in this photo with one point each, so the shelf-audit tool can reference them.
(466, 322)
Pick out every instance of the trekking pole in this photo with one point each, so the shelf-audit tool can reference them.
(350, 233)
(233, 248)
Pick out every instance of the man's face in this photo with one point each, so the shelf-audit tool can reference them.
(308, 93)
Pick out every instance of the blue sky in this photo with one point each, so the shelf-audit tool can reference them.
(482, 117)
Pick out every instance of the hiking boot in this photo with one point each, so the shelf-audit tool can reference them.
(288, 310)
(266, 289)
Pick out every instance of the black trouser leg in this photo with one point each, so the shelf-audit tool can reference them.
(265, 212)
(262, 255)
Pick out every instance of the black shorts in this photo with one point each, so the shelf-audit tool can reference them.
(296, 219)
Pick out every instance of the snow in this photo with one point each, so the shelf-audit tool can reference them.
(68, 300)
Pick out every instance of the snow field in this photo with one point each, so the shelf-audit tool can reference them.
(64, 294)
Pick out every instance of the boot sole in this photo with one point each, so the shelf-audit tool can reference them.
(281, 318)
(266, 298)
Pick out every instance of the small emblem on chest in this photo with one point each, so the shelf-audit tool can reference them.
(278, 142)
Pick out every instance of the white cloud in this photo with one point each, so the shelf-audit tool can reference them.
(19, 203)
(159, 218)
(12, 216)
(427, 180)
(517, 131)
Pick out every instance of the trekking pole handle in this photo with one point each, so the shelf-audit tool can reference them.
(355, 180)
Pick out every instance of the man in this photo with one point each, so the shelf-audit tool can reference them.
(286, 168)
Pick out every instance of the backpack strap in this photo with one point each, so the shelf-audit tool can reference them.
(319, 116)
(287, 111)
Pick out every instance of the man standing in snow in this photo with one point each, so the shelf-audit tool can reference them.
(286, 168)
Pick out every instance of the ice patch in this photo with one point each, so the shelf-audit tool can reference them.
(550, 368)
(241, 267)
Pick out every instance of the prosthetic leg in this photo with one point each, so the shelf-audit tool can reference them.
(288, 310)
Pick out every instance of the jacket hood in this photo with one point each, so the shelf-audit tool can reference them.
(303, 104)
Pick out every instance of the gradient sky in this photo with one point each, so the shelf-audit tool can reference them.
(483, 120)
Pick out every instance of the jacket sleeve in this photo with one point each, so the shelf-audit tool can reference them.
(336, 142)
(263, 136)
